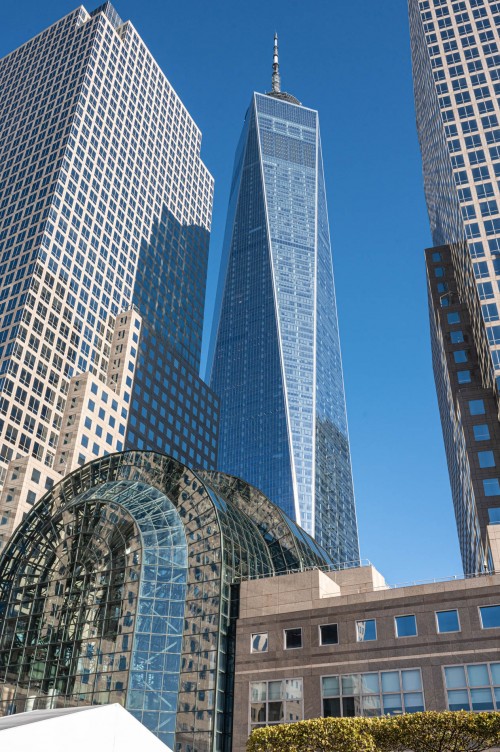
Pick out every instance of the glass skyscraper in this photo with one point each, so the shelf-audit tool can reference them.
(456, 71)
(105, 211)
(275, 354)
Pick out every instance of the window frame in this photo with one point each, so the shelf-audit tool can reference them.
(258, 652)
(289, 629)
(358, 621)
(444, 611)
(402, 637)
(320, 640)
(487, 605)
(381, 693)
(467, 687)
(252, 726)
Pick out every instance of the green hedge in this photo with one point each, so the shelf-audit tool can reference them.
(419, 732)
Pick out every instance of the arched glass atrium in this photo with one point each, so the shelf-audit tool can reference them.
(121, 586)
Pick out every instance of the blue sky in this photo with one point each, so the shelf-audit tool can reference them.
(351, 61)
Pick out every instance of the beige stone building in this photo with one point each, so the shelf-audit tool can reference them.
(94, 423)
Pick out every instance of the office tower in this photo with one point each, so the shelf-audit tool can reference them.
(105, 211)
(456, 71)
(128, 573)
(275, 355)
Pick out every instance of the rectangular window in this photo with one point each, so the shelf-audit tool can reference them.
(460, 356)
(259, 642)
(447, 621)
(463, 377)
(406, 626)
(491, 487)
(490, 312)
(486, 459)
(475, 686)
(490, 616)
(293, 638)
(493, 333)
(366, 630)
(476, 407)
(275, 702)
(373, 694)
(457, 337)
(494, 515)
(453, 318)
(485, 289)
(481, 432)
(328, 634)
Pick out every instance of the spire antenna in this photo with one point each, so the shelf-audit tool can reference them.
(276, 81)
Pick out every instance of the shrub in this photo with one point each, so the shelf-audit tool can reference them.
(419, 732)
(437, 732)
(318, 735)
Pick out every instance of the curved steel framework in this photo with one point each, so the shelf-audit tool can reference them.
(117, 588)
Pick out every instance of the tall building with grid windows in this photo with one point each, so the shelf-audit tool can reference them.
(275, 352)
(456, 70)
(105, 210)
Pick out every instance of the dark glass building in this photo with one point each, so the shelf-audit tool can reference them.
(172, 408)
(121, 585)
(275, 354)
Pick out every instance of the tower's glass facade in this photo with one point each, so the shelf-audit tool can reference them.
(275, 353)
(121, 585)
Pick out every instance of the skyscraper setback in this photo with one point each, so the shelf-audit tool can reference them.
(456, 71)
(275, 353)
(105, 210)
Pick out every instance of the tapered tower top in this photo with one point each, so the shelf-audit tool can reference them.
(276, 79)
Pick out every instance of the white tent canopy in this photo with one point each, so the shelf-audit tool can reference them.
(98, 728)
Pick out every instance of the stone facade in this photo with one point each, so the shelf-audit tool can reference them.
(309, 600)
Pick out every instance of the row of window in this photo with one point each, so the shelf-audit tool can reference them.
(473, 686)
(366, 629)
(481, 431)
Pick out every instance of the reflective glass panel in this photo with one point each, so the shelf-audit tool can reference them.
(258, 691)
(390, 681)
(371, 705)
(495, 673)
(411, 680)
(259, 642)
(366, 630)
(447, 621)
(331, 707)
(370, 683)
(458, 699)
(478, 675)
(481, 699)
(275, 712)
(392, 704)
(351, 684)
(328, 634)
(293, 638)
(330, 685)
(274, 689)
(406, 626)
(455, 676)
(490, 616)
(414, 702)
